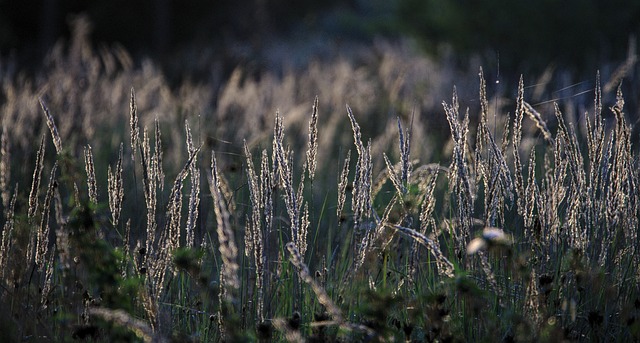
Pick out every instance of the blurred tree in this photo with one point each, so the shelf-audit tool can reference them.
(576, 34)
(32, 26)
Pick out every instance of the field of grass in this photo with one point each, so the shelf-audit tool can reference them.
(264, 209)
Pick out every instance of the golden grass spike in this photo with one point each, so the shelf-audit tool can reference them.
(133, 123)
(92, 185)
(531, 194)
(517, 138)
(42, 245)
(540, 123)
(116, 189)
(254, 197)
(342, 185)
(266, 188)
(312, 151)
(52, 126)
(35, 182)
(397, 183)
(48, 280)
(158, 154)
(194, 195)
(404, 137)
(459, 175)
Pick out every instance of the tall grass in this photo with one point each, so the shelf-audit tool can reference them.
(521, 227)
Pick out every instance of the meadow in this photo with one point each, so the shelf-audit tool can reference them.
(361, 198)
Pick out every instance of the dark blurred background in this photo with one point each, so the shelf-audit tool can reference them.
(523, 36)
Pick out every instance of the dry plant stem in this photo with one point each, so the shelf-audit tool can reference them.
(91, 175)
(576, 196)
(304, 229)
(532, 193)
(126, 250)
(459, 175)
(427, 181)
(253, 234)
(150, 195)
(342, 185)
(266, 204)
(52, 127)
(254, 197)
(35, 183)
(174, 207)
(266, 189)
(122, 318)
(43, 234)
(158, 155)
(321, 293)
(5, 167)
(194, 198)
(376, 237)
(229, 282)
(133, 123)
(596, 141)
(405, 151)
(48, 279)
(397, 183)
(444, 266)
(168, 242)
(226, 239)
(62, 234)
(312, 150)
(491, 166)
(292, 200)
(517, 138)
(147, 162)
(540, 123)
(362, 182)
(621, 204)
(7, 234)
(116, 189)
(427, 177)
(481, 166)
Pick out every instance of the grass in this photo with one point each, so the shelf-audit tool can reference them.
(327, 225)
